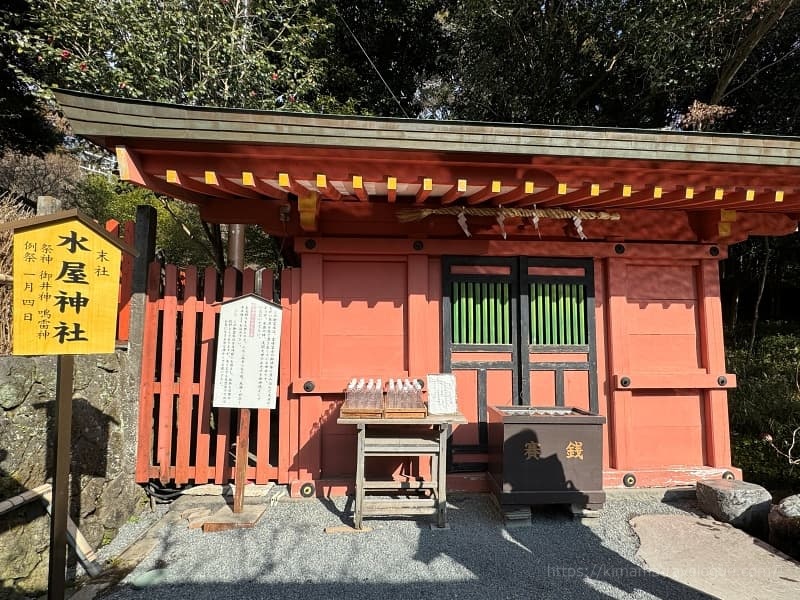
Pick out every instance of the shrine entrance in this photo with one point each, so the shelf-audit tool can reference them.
(516, 331)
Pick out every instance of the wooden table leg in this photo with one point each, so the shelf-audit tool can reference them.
(441, 492)
(360, 477)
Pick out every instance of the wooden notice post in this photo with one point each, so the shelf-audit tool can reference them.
(246, 376)
(66, 268)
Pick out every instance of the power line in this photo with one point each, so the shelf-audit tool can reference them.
(372, 64)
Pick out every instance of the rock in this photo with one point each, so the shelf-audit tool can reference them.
(103, 495)
(149, 579)
(744, 505)
(15, 383)
(784, 526)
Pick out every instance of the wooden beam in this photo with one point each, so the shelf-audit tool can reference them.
(525, 189)
(358, 188)
(603, 198)
(490, 190)
(749, 199)
(294, 186)
(424, 191)
(325, 188)
(546, 196)
(131, 170)
(710, 197)
(214, 179)
(266, 188)
(391, 189)
(577, 196)
(677, 197)
(186, 182)
(455, 192)
(644, 197)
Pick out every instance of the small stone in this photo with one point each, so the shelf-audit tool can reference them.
(784, 526)
(744, 505)
(149, 579)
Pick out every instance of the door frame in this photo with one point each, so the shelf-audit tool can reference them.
(519, 281)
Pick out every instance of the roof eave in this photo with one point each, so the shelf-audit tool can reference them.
(102, 119)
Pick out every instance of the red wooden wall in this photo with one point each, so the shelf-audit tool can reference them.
(363, 308)
(370, 309)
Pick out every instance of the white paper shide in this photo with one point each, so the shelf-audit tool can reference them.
(442, 399)
(248, 348)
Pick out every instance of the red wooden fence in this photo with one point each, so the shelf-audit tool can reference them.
(182, 438)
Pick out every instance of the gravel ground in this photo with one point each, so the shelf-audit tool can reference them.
(287, 555)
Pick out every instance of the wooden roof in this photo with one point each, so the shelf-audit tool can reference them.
(198, 154)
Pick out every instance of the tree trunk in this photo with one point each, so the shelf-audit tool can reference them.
(758, 298)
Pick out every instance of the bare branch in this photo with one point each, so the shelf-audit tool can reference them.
(789, 454)
(772, 15)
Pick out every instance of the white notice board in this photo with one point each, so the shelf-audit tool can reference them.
(248, 348)
(442, 399)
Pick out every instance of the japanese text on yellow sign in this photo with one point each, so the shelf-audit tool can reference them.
(66, 286)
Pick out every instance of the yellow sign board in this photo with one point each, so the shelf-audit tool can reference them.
(66, 289)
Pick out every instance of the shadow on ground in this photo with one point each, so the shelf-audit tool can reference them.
(287, 555)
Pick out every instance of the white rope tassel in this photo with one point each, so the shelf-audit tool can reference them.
(462, 220)
(579, 226)
(501, 220)
(535, 221)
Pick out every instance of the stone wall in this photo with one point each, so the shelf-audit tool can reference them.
(103, 492)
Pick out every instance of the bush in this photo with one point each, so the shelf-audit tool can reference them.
(766, 401)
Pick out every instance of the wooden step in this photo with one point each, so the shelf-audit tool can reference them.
(396, 506)
(399, 485)
(392, 446)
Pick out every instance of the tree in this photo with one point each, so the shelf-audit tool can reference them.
(180, 238)
(381, 54)
(255, 54)
(27, 176)
(631, 64)
(26, 125)
(232, 53)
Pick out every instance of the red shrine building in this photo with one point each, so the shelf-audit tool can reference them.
(546, 266)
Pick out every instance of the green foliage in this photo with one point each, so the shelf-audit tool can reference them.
(637, 64)
(180, 238)
(24, 124)
(760, 464)
(255, 54)
(179, 234)
(766, 401)
(260, 249)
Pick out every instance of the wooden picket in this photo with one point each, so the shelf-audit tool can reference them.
(182, 438)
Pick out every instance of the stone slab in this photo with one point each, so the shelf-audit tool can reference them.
(715, 558)
(213, 489)
(742, 504)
